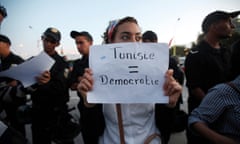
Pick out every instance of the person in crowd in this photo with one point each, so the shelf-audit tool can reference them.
(83, 42)
(138, 129)
(208, 63)
(49, 101)
(11, 103)
(3, 13)
(90, 117)
(8, 90)
(217, 117)
(149, 36)
(164, 115)
(13, 94)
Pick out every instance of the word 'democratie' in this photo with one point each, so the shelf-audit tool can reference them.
(128, 73)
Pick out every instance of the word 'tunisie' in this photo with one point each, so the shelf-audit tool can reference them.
(132, 55)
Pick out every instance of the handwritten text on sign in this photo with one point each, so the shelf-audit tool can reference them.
(128, 73)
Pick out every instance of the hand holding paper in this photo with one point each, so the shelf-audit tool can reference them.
(28, 71)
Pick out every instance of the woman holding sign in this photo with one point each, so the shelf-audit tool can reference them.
(129, 123)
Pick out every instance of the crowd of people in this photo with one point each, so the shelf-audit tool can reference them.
(212, 78)
(207, 65)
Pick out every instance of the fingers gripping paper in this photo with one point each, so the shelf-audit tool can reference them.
(29, 70)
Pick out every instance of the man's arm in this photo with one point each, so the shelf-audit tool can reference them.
(198, 93)
(203, 130)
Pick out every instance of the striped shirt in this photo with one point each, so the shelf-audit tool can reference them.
(220, 110)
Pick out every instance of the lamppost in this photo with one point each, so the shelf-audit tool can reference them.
(38, 40)
(172, 39)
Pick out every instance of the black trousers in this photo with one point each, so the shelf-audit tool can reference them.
(11, 111)
(42, 123)
(92, 123)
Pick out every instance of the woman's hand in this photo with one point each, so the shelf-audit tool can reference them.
(171, 88)
(85, 85)
(44, 78)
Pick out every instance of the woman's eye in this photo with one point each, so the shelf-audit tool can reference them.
(125, 37)
(138, 38)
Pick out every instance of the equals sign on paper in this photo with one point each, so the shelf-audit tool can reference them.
(133, 69)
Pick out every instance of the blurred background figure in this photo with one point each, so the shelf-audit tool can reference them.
(49, 101)
(217, 117)
(89, 118)
(208, 63)
(166, 116)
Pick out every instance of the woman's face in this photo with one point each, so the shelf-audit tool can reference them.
(128, 32)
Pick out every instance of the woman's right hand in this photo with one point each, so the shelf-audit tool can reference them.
(86, 85)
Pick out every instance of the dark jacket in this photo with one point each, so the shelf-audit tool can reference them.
(55, 93)
(204, 68)
(91, 120)
(6, 91)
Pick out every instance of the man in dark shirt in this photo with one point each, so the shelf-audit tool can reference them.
(208, 63)
(12, 92)
(49, 101)
(217, 117)
(10, 103)
(91, 119)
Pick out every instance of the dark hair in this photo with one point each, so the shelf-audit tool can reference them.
(3, 11)
(53, 33)
(5, 39)
(106, 37)
(149, 36)
(87, 35)
(215, 17)
(74, 34)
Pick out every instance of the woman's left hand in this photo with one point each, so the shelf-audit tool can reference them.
(171, 88)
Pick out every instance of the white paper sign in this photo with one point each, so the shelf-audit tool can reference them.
(26, 72)
(128, 73)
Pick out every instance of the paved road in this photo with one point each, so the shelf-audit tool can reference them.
(176, 138)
